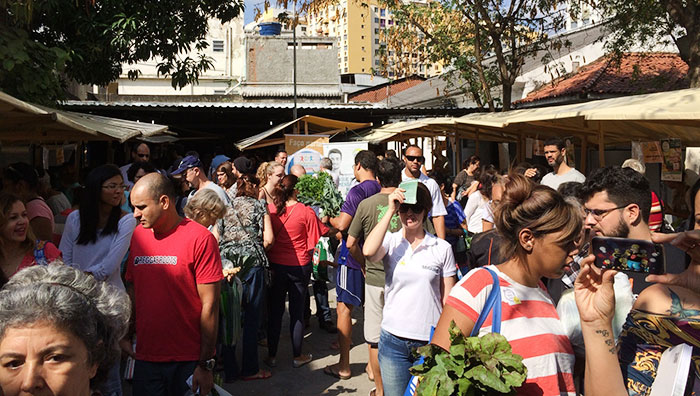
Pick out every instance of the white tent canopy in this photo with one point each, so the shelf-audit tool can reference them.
(22, 121)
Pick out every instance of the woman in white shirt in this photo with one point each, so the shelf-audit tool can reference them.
(419, 273)
(97, 238)
(477, 204)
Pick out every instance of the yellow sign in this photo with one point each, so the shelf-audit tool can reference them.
(294, 143)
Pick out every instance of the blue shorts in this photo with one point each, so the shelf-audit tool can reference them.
(349, 286)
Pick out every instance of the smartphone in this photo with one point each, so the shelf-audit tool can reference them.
(411, 187)
(632, 255)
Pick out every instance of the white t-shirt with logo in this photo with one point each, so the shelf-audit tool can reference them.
(413, 278)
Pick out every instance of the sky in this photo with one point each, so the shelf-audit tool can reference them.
(250, 9)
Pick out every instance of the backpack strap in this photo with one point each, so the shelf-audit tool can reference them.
(493, 303)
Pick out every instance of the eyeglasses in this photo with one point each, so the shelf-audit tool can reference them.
(412, 158)
(415, 208)
(143, 155)
(599, 214)
(114, 187)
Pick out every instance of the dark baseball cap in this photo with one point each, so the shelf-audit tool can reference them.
(218, 160)
(188, 162)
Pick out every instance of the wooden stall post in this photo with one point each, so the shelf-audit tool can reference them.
(306, 127)
(584, 153)
(601, 146)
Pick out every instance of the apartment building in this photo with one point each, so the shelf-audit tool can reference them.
(360, 28)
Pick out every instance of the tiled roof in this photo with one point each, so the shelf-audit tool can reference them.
(379, 92)
(637, 73)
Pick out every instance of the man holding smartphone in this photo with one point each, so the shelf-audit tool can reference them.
(617, 203)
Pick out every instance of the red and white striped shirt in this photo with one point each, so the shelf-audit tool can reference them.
(529, 322)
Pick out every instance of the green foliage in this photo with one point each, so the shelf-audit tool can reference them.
(89, 40)
(484, 42)
(319, 190)
(474, 366)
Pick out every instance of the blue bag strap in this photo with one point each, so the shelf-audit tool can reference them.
(493, 302)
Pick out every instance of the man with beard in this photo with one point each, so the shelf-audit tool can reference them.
(555, 154)
(617, 203)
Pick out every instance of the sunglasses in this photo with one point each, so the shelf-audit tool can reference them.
(143, 155)
(415, 208)
(418, 158)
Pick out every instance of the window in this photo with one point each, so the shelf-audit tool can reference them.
(362, 26)
(346, 70)
(363, 37)
(391, 22)
(382, 12)
(376, 41)
(375, 9)
(391, 74)
(376, 20)
(218, 46)
(376, 62)
(363, 59)
(382, 23)
(363, 48)
(376, 31)
(363, 70)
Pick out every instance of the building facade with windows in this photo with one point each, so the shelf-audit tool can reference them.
(226, 50)
(362, 47)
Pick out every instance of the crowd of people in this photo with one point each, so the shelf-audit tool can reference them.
(178, 268)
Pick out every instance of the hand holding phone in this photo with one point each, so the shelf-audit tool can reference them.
(630, 255)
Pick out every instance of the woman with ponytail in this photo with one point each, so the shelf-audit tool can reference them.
(539, 231)
(296, 230)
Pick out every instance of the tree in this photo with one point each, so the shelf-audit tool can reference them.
(644, 23)
(486, 42)
(45, 43)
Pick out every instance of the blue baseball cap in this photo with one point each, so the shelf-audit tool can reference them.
(188, 162)
(218, 160)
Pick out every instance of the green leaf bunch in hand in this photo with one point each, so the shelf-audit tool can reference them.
(474, 366)
(319, 190)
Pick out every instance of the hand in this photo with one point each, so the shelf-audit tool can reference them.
(325, 219)
(689, 242)
(126, 346)
(594, 293)
(395, 199)
(230, 273)
(531, 172)
(202, 381)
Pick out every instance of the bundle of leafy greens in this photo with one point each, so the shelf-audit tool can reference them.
(474, 366)
(319, 190)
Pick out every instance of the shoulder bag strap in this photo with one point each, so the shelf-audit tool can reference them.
(493, 302)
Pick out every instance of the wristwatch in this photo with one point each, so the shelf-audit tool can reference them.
(207, 364)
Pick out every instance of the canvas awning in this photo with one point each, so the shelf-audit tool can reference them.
(307, 124)
(22, 121)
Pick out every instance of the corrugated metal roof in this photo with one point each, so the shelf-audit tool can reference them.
(225, 105)
(287, 91)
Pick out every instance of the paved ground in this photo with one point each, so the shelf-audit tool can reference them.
(310, 379)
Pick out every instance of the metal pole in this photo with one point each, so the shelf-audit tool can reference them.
(294, 75)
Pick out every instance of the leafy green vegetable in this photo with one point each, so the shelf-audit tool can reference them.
(319, 190)
(474, 366)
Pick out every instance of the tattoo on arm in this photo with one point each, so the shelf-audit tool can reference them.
(677, 307)
(608, 340)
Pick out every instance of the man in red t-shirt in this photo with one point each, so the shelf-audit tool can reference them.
(173, 274)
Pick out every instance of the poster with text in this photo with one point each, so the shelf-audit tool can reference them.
(294, 143)
(343, 157)
(652, 153)
(671, 166)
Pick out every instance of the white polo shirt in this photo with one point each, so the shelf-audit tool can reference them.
(435, 194)
(413, 278)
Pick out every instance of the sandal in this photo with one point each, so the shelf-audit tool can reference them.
(330, 370)
(260, 375)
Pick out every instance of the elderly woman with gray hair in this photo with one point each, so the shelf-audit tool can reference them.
(59, 331)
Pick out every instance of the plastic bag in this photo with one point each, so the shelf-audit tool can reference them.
(231, 298)
(322, 252)
(217, 391)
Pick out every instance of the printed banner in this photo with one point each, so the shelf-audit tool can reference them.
(343, 157)
(671, 166)
(294, 143)
(652, 153)
(309, 158)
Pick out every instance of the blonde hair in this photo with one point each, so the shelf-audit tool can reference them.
(535, 207)
(261, 174)
(205, 204)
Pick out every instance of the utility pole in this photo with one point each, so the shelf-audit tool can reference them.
(294, 73)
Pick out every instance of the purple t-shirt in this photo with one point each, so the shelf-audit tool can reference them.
(356, 194)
